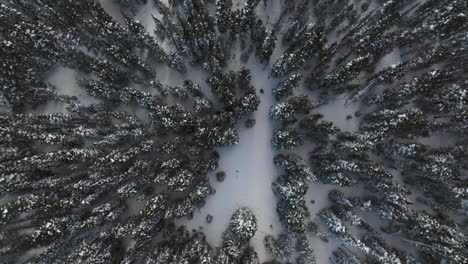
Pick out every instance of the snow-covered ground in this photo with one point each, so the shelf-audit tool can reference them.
(250, 173)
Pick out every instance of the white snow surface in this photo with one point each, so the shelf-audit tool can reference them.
(249, 174)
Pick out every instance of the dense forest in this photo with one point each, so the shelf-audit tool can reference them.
(234, 132)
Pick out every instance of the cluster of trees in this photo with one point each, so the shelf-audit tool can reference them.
(290, 190)
(70, 180)
(389, 165)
